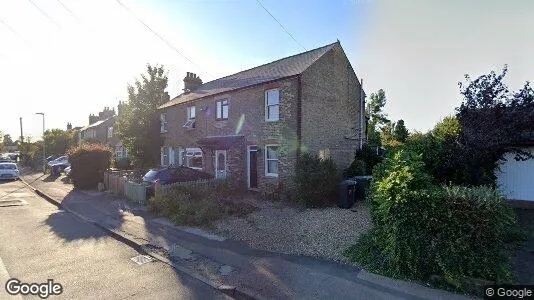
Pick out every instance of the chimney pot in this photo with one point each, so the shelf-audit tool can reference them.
(191, 82)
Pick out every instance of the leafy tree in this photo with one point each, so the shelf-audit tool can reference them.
(400, 132)
(494, 120)
(138, 122)
(58, 141)
(8, 141)
(447, 128)
(377, 117)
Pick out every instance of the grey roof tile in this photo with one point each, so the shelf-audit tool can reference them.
(282, 68)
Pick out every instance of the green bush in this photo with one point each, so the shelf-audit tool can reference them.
(88, 163)
(196, 205)
(365, 160)
(122, 163)
(357, 168)
(317, 180)
(421, 229)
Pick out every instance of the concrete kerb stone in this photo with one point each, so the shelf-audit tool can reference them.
(237, 293)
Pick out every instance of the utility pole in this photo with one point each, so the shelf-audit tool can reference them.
(44, 145)
(21, 135)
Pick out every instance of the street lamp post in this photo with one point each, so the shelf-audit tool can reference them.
(44, 145)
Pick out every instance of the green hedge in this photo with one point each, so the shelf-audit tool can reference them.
(88, 163)
(317, 180)
(198, 205)
(421, 229)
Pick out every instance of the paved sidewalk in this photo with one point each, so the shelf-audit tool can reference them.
(225, 263)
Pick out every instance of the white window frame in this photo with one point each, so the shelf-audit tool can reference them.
(190, 109)
(164, 153)
(110, 132)
(266, 161)
(219, 111)
(118, 152)
(190, 117)
(193, 152)
(267, 118)
(163, 122)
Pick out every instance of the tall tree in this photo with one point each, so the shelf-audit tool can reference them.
(400, 132)
(493, 120)
(139, 122)
(58, 141)
(8, 141)
(377, 117)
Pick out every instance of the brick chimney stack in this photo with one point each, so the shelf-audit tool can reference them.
(191, 82)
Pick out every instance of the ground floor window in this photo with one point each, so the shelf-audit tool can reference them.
(193, 158)
(271, 160)
(164, 156)
(121, 152)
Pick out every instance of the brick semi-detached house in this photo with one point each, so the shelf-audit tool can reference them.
(251, 127)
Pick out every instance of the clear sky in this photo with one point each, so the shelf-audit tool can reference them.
(71, 58)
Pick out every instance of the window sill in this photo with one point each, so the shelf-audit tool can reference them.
(271, 175)
(272, 121)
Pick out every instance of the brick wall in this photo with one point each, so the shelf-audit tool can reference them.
(246, 116)
(331, 108)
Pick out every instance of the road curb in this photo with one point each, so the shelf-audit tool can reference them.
(232, 291)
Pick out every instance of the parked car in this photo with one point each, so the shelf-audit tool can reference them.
(51, 158)
(59, 164)
(6, 160)
(67, 171)
(9, 170)
(173, 174)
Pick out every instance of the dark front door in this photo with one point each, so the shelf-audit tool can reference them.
(253, 167)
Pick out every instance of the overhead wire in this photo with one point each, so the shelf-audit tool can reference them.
(283, 27)
(161, 37)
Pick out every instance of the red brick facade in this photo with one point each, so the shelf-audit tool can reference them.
(325, 99)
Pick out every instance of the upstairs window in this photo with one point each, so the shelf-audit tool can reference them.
(110, 132)
(222, 109)
(191, 112)
(190, 121)
(163, 120)
(272, 105)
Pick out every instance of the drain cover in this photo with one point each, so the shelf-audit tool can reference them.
(141, 259)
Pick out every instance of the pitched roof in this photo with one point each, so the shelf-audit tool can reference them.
(282, 68)
(96, 123)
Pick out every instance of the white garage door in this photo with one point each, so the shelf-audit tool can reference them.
(516, 178)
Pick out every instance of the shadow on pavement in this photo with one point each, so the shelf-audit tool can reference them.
(68, 227)
(50, 178)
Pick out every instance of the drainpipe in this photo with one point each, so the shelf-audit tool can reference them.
(362, 112)
(299, 115)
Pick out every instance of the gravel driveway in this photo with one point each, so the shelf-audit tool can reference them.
(323, 233)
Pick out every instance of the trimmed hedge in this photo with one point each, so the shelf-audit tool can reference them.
(317, 180)
(198, 205)
(88, 163)
(421, 229)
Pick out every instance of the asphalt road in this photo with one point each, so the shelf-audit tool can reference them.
(40, 242)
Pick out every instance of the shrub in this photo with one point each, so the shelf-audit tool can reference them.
(366, 158)
(122, 163)
(357, 168)
(422, 230)
(317, 180)
(196, 205)
(88, 163)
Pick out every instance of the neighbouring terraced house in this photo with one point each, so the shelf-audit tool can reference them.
(251, 127)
